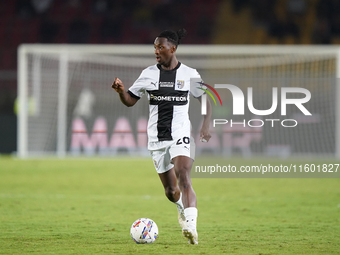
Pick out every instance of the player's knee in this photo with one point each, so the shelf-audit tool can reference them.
(171, 193)
(183, 174)
(184, 169)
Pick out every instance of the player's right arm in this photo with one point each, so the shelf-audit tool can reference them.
(125, 97)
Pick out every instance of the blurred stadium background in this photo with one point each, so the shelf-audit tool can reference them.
(242, 22)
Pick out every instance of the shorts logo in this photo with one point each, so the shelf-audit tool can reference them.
(155, 163)
(180, 84)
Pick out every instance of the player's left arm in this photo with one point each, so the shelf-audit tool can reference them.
(204, 132)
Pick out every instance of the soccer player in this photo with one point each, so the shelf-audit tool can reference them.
(167, 85)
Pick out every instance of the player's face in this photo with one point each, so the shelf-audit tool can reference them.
(164, 51)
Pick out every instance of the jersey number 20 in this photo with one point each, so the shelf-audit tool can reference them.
(185, 140)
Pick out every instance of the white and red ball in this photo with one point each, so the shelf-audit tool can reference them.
(144, 230)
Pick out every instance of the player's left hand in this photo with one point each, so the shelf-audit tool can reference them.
(205, 135)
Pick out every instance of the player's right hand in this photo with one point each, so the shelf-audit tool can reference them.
(118, 85)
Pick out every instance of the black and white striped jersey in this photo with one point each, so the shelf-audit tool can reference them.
(168, 93)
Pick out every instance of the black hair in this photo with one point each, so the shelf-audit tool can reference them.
(174, 37)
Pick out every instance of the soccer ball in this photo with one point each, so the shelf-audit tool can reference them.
(144, 230)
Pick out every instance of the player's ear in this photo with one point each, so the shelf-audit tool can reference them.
(173, 49)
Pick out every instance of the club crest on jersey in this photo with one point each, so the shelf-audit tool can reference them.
(180, 84)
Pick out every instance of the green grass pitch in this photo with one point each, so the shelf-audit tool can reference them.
(82, 206)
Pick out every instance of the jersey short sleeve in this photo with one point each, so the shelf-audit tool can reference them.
(137, 90)
(196, 84)
(147, 80)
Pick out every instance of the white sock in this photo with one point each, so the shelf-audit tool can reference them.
(191, 216)
(179, 202)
